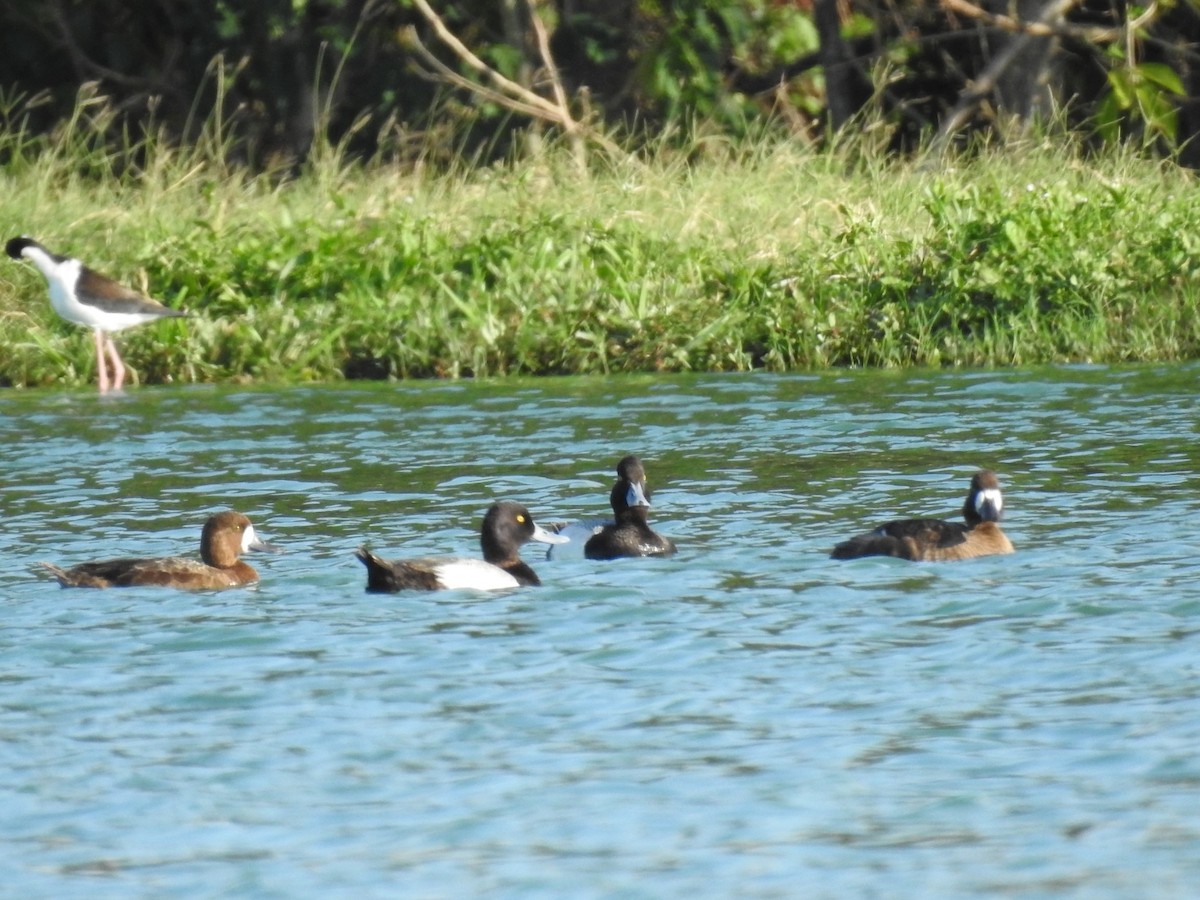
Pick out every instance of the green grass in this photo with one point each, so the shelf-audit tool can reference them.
(769, 255)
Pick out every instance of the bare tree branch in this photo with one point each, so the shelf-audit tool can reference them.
(506, 85)
(1089, 33)
(570, 125)
(504, 91)
(981, 87)
(543, 43)
(85, 64)
(442, 72)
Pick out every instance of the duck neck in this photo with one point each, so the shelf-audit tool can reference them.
(521, 571)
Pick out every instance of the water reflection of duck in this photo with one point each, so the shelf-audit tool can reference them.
(226, 536)
(506, 526)
(935, 539)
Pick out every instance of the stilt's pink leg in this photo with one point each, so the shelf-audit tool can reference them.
(101, 369)
(118, 364)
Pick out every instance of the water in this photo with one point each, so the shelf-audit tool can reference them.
(746, 719)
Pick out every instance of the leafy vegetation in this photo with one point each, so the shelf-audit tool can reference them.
(717, 257)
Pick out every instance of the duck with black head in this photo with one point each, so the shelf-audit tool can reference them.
(628, 533)
(95, 301)
(935, 539)
(506, 527)
(226, 536)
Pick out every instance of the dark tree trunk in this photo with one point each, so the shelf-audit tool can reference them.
(593, 47)
(1024, 88)
(847, 87)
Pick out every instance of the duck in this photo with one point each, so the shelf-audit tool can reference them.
(935, 539)
(507, 525)
(85, 297)
(628, 533)
(226, 536)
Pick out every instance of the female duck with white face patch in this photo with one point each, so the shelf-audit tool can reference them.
(226, 536)
(935, 539)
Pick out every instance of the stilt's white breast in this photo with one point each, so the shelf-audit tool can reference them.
(62, 277)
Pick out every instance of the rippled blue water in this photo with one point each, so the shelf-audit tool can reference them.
(746, 719)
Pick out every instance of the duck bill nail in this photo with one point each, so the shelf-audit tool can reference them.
(543, 536)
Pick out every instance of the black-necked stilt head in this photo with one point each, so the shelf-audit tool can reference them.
(16, 246)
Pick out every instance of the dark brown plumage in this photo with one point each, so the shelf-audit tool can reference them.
(630, 534)
(937, 540)
(113, 297)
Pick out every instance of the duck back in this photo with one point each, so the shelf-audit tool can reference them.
(627, 538)
(172, 571)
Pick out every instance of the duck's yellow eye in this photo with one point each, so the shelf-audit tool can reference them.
(520, 519)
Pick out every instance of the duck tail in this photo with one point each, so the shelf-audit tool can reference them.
(380, 575)
(60, 574)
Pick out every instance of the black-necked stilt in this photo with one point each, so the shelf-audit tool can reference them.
(88, 298)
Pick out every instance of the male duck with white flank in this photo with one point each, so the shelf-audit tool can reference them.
(226, 536)
(935, 539)
(88, 298)
(506, 526)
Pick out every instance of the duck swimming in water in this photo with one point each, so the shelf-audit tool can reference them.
(226, 536)
(935, 539)
(630, 534)
(506, 526)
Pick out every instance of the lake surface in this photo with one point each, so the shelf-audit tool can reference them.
(746, 719)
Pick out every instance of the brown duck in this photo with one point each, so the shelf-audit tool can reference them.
(226, 536)
(935, 539)
(630, 534)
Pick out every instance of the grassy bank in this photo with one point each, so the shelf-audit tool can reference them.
(768, 256)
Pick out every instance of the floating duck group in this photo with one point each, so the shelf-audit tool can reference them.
(85, 297)
(507, 526)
